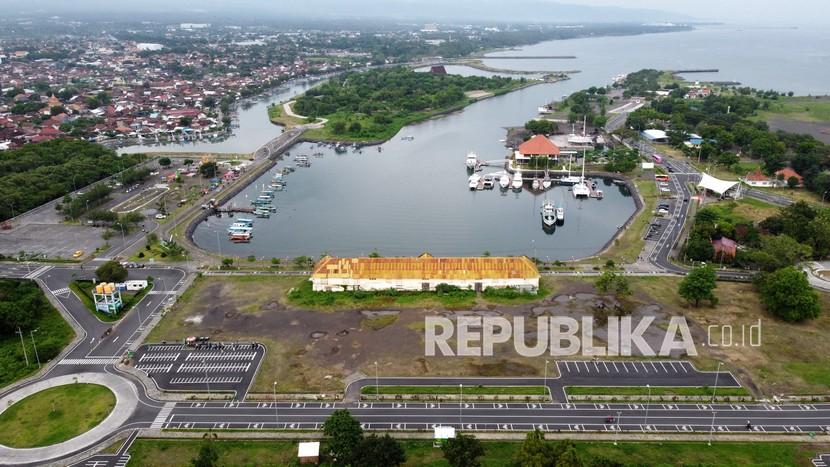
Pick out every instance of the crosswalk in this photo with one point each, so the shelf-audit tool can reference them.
(61, 292)
(88, 361)
(158, 423)
(37, 272)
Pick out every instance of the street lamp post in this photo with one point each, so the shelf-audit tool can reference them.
(619, 426)
(123, 237)
(23, 346)
(715, 389)
(823, 195)
(460, 404)
(32, 335)
(712, 428)
(648, 403)
(207, 380)
(276, 409)
(546, 375)
(377, 387)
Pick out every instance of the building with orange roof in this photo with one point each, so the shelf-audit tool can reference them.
(784, 175)
(538, 146)
(424, 273)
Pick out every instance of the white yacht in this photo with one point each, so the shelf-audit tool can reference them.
(546, 182)
(560, 215)
(504, 181)
(536, 184)
(474, 180)
(548, 214)
(581, 189)
(472, 160)
(517, 181)
(569, 179)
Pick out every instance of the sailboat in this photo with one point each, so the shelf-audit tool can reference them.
(536, 184)
(548, 214)
(569, 179)
(517, 180)
(546, 182)
(581, 190)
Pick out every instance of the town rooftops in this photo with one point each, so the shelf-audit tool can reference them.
(427, 267)
(539, 145)
(787, 172)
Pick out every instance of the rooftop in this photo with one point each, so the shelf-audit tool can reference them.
(539, 145)
(427, 267)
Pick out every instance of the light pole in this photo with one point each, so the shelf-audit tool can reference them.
(207, 381)
(23, 346)
(716, 382)
(123, 237)
(823, 195)
(546, 375)
(712, 428)
(377, 387)
(32, 335)
(619, 426)
(74, 187)
(276, 409)
(648, 403)
(460, 404)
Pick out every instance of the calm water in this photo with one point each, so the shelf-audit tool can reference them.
(412, 197)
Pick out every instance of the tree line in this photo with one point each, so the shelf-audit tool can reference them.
(41, 172)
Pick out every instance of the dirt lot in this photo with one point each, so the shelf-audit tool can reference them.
(319, 350)
(818, 130)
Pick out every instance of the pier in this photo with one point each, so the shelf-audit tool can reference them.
(529, 57)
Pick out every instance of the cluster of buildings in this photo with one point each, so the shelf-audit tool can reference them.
(108, 89)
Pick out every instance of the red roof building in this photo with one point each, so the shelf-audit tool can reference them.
(787, 172)
(537, 146)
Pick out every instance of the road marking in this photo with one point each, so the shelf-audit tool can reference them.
(162, 415)
(88, 361)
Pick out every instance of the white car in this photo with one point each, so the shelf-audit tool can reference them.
(161, 216)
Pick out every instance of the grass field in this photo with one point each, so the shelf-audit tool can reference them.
(655, 391)
(55, 415)
(304, 296)
(277, 116)
(467, 390)
(743, 210)
(628, 247)
(791, 358)
(802, 108)
(83, 290)
(169, 452)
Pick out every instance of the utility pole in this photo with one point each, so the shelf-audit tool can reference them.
(23, 346)
(276, 410)
(377, 387)
(460, 404)
(32, 335)
(712, 428)
(546, 375)
(715, 389)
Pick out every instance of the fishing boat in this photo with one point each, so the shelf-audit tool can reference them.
(263, 213)
(504, 181)
(472, 160)
(241, 238)
(517, 181)
(560, 215)
(548, 214)
(489, 181)
(243, 221)
(599, 194)
(474, 181)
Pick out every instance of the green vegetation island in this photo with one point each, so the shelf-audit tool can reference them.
(373, 106)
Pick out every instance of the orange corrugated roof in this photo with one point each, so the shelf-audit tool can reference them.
(539, 145)
(426, 267)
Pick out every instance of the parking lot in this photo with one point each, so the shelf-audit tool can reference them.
(215, 367)
(656, 372)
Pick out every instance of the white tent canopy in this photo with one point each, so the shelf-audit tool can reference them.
(716, 185)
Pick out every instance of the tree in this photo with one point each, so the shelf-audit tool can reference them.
(788, 295)
(463, 451)
(535, 451)
(792, 182)
(610, 281)
(379, 451)
(699, 284)
(208, 169)
(111, 271)
(345, 435)
(165, 162)
(355, 127)
(338, 127)
(540, 127)
(208, 454)
(188, 162)
(569, 458)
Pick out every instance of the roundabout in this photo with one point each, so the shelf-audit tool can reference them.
(40, 403)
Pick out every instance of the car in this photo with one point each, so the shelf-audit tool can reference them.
(610, 419)
(77, 254)
(160, 216)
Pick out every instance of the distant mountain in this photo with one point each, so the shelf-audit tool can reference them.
(407, 10)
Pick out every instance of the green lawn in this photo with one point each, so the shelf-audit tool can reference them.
(803, 108)
(628, 246)
(467, 390)
(83, 290)
(53, 334)
(420, 453)
(656, 391)
(303, 296)
(55, 415)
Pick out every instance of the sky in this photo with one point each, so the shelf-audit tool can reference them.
(744, 12)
